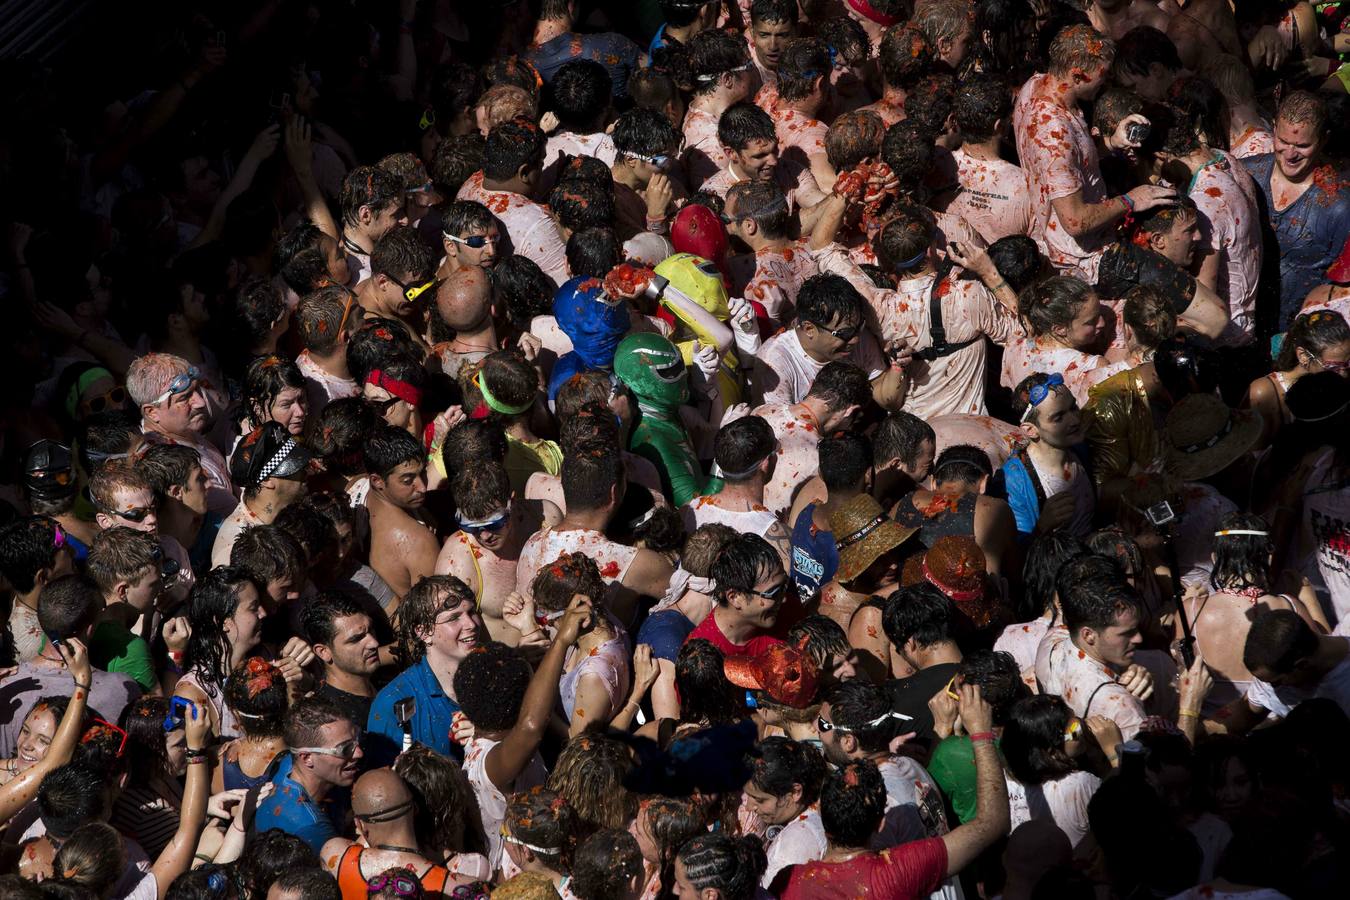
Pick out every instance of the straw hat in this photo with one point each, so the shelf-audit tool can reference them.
(863, 532)
(787, 674)
(1202, 436)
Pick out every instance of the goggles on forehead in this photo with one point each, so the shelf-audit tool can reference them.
(181, 384)
(1036, 396)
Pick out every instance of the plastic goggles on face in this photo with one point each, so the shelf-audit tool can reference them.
(473, 241)
(134, 514)
(346, 750)
(181, 384)
(1337, 367)
(494, 523)
(772, 593)
(412, 291)
(1036, 396)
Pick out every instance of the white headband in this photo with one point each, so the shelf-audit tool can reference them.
(1247, 531)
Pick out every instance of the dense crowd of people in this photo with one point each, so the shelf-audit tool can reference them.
(715, 449)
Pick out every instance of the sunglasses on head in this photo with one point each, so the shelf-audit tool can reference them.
(473, 241)
(840, 334)
(112, 400)
(547, 618)
(403, 885)
(181, 384)
(1337, 367)
(99, 725)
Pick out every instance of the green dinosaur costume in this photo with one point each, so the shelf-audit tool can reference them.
(651, 367)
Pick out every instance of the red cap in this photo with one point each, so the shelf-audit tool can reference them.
(787, 674)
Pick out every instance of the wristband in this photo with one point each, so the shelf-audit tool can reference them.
(982, 736)
(1189, 713)
(195, 754)
(83, 686)
(197, 759)
(1129, 204)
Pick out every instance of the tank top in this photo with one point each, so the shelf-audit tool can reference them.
(229, 724)
(940, 519)
(233, 776)
(815, 557)
(352, 883)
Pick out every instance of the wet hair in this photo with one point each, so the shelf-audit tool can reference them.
(920, 611)
(92, 857)
(1113, 543)
(446, 816)
(742, 445)
(1080, 47)
(705, 693)
(319, 615)
(820, 637)
(307, 716)
(490, 684)
(314, 883)
(456, 158)
(852, 803)
(702, 546)
(905, 55)
(606, 865)
(841, 385)
(651, 88)
(269, 855)
(1150, 315)
(371, 187)
(712, 54)
(931, 103)
(908, 148)
(847, 38)
(473, 442)
(980, 104)
(1097, 602)
(68, 605)
(320, 317)
(590, 774)
(1112, 106)
(781, 763)
(380, 344)
(1231, 78)
(1315, 333)
(113, 476)
(593, 251)
(1052, 303)
(644, 132)
(742, 123)
(766, 11)
(267, 552)
(582, 204)
(256, 692)
(589, 478)
(401, 254)
(962, 463)
(482, 490)
(546, 820)
(311, 529)
(671, 821)
(1278, 641)
(69, 796)
(1143, 47)
(27, 546)
(998, 677)
(1198, 103)
(1082, 569)
(511, 146)
(826, 298)
(1241, 560)
(1017, 259)
(388, 447)
(523, 288)
(763, 203)
(907, 236)
(213, 600)
(845, 459)
(460, 217)
(739, 565)
(556, 583)
(301, 258)
(423, 603)
(730, 865)
(146, 753)
(1021, 406)
(264, 380)
(1033, 739)
(899, 436)
(342, 429)
(853, 137)
(581, 91)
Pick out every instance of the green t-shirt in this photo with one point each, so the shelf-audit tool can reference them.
(113, 648)
(953, 768)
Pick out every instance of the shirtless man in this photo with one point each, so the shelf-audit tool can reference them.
(400, 281)
(493, 529)
(593, 484)
(1115, 17)
(403, 540)
(464, 305)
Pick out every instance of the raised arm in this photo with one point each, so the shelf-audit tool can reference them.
(19, 792)
(176, 856)
(991, 791)
(509, 758)
(300, 154)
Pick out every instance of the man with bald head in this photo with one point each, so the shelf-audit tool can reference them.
(383, 808)
(464, 306)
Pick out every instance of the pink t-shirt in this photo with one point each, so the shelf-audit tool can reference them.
(531, 227)
(784, 373)
(799, 136)
(1060, 159)
(566, 143)
(1229, 218)
(994, 196)
(793, 175)
(702, 154)
(1081, 370)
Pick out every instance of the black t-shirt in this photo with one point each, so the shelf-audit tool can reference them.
(353, 707)
(910, 696)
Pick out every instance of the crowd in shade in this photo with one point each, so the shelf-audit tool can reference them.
(702, 449)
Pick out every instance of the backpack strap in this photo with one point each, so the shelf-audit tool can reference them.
(937, 332)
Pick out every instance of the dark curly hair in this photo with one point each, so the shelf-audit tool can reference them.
(545, 820)
(781, 763)
(705, 693)
(852, 803)
(731, 865)
(490, 684)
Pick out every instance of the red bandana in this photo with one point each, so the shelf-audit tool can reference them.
(400, 389)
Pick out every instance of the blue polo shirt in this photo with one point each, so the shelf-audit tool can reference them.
(291, 809)
(430, 723)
